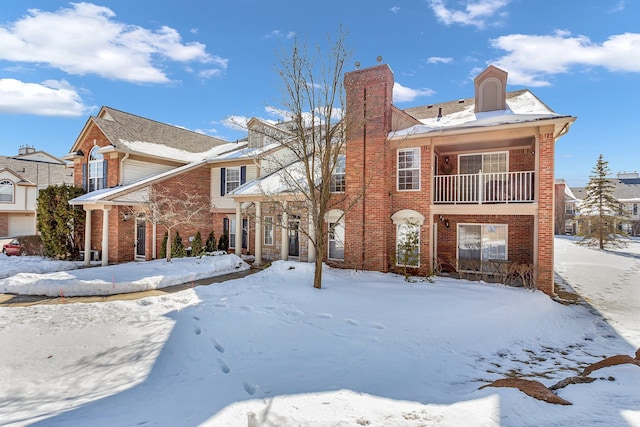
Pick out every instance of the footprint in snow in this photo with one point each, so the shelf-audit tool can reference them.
(217, 346)
(197, 330)
(352, 322)
(223, 366)
(325, 315)
(250, 388)
(378, 326)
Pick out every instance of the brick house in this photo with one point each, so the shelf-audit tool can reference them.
(471, 178)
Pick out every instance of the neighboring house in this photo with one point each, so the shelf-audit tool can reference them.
(626, 189)
(472, 178)
(566, 209)
(116, 157)
(21, 178)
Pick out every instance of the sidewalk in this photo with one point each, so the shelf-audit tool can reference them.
(9, 300)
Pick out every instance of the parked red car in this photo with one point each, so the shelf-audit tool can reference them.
(13, 248)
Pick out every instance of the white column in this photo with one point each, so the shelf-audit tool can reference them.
(258, 233)
(238, 242)
(105, 236)
(311, 249)
(87, 237)
(284, 250)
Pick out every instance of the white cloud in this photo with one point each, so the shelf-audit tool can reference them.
(238, 123)
(531, 59)
(439, 60)
(476, 13)
(395, 9)
(50, 98)
(405, 94)
(85, 39)
(279, 34)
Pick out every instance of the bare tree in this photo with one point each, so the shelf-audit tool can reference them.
(312, 139)
(174, 208)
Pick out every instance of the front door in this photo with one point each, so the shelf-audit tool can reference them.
(141, 229)
(294, 236)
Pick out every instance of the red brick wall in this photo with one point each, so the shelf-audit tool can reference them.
(197, 181)
(113, 164)
(369, 98)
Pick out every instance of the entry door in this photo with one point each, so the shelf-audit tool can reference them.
(294, 236)
(141, 229)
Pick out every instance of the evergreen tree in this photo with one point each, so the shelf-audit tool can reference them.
(60, 224)
(210, 245)
(600, 212)
(196, 245)
(223, 243)
(163, 247)
(177, 247)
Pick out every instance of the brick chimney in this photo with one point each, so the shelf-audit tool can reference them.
(369, 97)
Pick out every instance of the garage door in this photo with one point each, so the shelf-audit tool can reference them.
(22, 225)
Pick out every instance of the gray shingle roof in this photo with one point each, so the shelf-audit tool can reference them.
(118, 125)
(624, 189)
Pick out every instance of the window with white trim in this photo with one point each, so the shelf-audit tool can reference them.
(486, 162)
(336, 240)
(478, 243)
(6, 191)
(408, 244)
(338, 184)
(408, 169)
(96, 170)
(268, 230)
(232, 179)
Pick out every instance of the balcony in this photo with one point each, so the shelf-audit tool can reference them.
(482, 188)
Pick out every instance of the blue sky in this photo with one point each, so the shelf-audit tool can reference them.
(198, 63)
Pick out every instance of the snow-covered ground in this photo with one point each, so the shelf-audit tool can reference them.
(39, 276)
(609, 280)
(367, 349)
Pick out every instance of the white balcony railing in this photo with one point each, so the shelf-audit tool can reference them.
(500, 187)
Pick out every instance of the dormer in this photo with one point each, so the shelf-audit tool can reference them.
(491, 90)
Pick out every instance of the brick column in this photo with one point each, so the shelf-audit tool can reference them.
(546, 193)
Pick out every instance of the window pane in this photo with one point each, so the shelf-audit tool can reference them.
(409, 169)
(232, 179)
(268, 230)
(494, 242)
(469, 242)
(408, 245)
(336, 240)
(6, 191)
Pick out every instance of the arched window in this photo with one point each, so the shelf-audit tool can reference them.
(6, 191)
(96, 170)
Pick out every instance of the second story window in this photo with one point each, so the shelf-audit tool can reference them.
(97, 171)
(232, 178)
(6, 191)
(408, 169)
(568, 208)
(338, 184)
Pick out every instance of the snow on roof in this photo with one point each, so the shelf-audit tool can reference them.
(173, 153)
(289, 179)
(246, 152)
(108, 194)
(524, 107)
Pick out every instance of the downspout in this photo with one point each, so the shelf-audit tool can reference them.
(121, 172)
